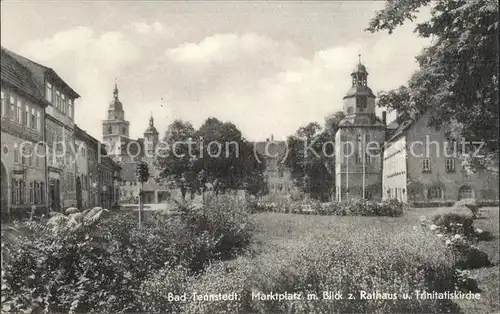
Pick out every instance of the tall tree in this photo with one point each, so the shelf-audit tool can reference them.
(458, 74)
(332, 122)
(216, 154)
(174, 155)
(310, 159)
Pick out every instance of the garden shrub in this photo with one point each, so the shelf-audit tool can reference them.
(424, 204)
(455, 223)
(76, 263)
(362, 207)
(457, 232)
(488, 203)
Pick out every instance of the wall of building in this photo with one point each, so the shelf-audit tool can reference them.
(22, 156)
(351, 145)
(60, 161)
(394, 165)
(483, 184)
(82, 172)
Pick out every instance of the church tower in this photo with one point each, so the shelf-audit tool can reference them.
(115, 130)
(151, 137)
(358, 142)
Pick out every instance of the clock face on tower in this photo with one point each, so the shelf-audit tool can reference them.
(361, 102)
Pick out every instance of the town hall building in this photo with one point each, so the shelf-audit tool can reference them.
(404, 160)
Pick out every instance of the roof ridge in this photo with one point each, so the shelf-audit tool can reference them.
(27, 59)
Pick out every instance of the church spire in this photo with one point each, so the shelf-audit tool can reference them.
(115, 90)
(151, 120)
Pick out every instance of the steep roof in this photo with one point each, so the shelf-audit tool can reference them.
(39, 72)
(360, 119)
(398, 129)
(18, 76)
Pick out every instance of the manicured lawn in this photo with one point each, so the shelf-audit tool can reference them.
(277, 232)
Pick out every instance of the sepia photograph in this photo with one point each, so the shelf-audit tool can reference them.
(250, 156)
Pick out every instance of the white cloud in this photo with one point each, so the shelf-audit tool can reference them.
(261, 84)
(88, 62)
(265, 86)
(143, 28)
(224, 48)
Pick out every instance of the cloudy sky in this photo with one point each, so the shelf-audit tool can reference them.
(268, 67)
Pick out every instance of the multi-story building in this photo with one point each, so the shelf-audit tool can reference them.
(420, 164)
(358, 141)
(59, 128)
(278, 176)
(23, 165)
(107, 182)
(82, 143)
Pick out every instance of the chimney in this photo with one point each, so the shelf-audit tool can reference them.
(267, 140)
(272, 137)
(384, 117)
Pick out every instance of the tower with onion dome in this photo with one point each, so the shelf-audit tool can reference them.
(151, 137)
(115, 129)
(358, 142)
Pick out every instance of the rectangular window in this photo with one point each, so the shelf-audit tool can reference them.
(426, 165)
(58, 100)
(4, 108)
(22, 192)
(29, 158)
(367, 138)
(24, 160)
(38, 121)
(357, 158)
(435, 193)
(31, 193)
(450, 164)
(19, 114)
(12, 108)
(15, 189)
(48, 92)
(36, 192)
(33, 119)
(16, 155)
(70, 108)
(42, 192)
(63, 103)
(26, 117)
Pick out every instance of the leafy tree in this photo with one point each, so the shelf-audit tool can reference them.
(311, 157)
(215, 155)
(228, 161)
(458, 72)
(174, 159)
(332, 122)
